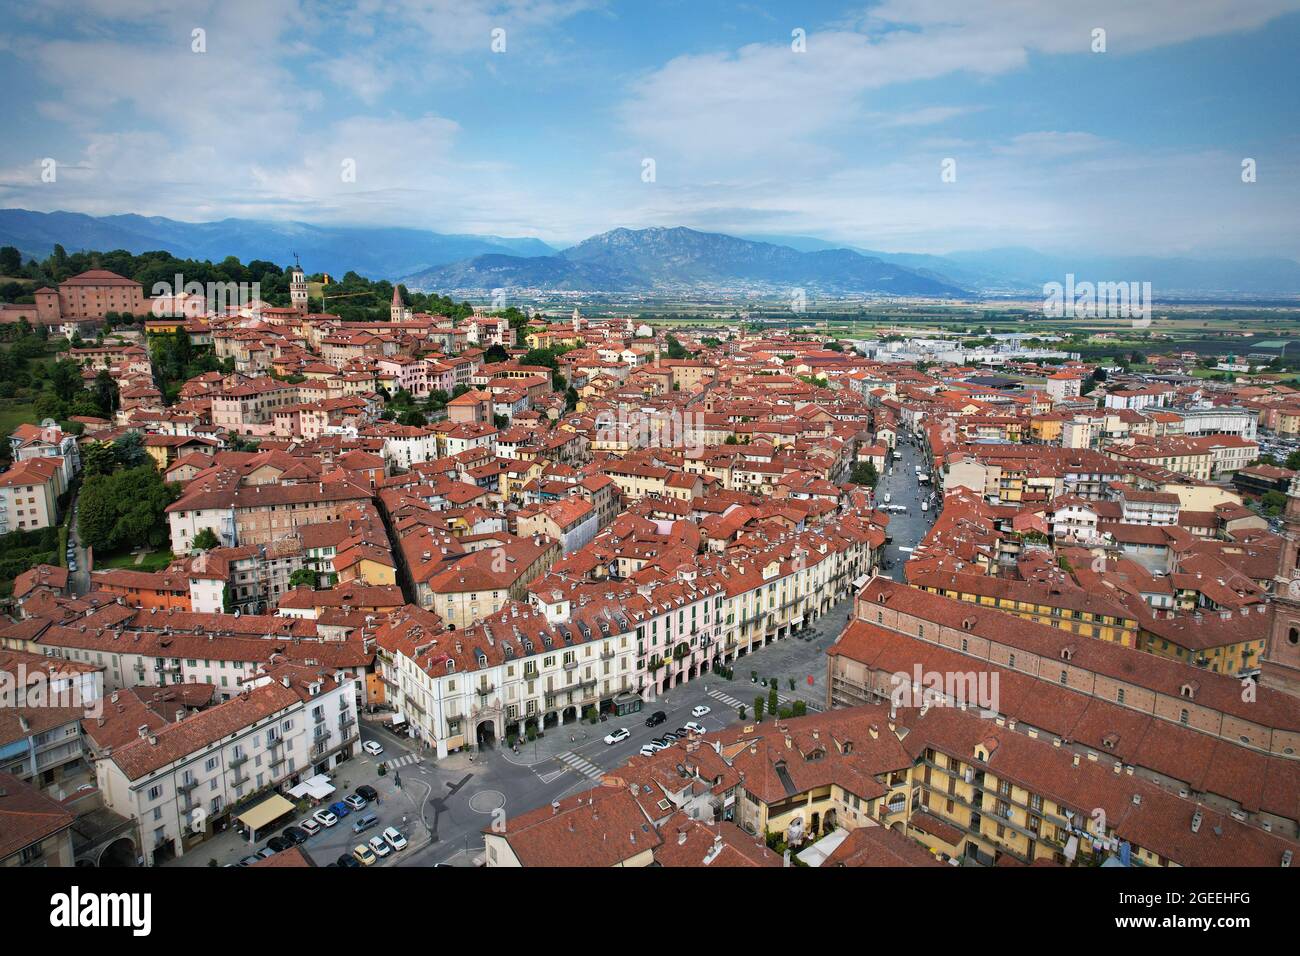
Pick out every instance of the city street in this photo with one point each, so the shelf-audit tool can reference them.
(899, 482)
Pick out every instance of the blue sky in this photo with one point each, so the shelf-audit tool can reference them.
(1134, 150)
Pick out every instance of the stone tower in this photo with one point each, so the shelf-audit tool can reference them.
(298, 289)
(396, 311)
(1280, 665)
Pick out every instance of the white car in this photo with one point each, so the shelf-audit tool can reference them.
(700, 710)
(393, 837)
(311, 826)
(694, 727)
(649, 750)
(618, 736)
(324, 817)
(380, 847)
(373, 748)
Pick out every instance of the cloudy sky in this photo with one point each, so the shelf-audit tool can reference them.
(823, 119)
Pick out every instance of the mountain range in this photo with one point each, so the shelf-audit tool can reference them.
(374, 252)
(645, 261)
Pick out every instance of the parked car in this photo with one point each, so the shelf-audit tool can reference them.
(695, 727)
(249, 860)
(670, 736)
(355, 801)
(682, 733)
(664, 741)
(266, 852)
(655, 719)
(346, 860)
(279, 844)
(373, 747)
(701, 710)
(295, 835)
(340, 809)
(363, 854)
(324, 817)
(618, 736)
(650, 749)
(365, 822)
(393, 837)
(311, 826)
(368, 792)
(380, 846)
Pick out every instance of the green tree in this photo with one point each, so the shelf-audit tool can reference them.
(65, 379)
(11, 261)
(758, 708)
(98, 458)
(207, 539)
(1273, 502)
(124, 508)
(129, 450)
(305, 576)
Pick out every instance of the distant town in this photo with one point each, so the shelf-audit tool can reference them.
(295, 564)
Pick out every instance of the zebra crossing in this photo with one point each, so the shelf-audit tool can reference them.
(737, 704)
(404, 761)
(581, 764)
(726, 699)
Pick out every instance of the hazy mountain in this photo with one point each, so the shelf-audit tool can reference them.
(624, 260)
(642, 260)
(1015, 269)
(374, 252)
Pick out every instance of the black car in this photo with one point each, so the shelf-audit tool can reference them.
(295, 835)
(279, 844)
(347, 860)
(682, 733)
(655, 719)
(367, 793)
(250, 860)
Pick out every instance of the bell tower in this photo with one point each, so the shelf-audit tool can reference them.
(298, 288)
(1280, 665)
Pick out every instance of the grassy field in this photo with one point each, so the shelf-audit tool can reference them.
(14, 413)
(153, 561)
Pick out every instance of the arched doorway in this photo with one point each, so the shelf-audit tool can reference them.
(487, 735)
(550, 719)
(120, 852)
(570, 714)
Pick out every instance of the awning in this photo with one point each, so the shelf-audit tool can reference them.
(397, 719)
(272, 808)
(317, 787)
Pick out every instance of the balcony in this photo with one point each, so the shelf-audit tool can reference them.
(320, 747)
(185, 786)
(274, 744)
(346, 720)
(238, 761)
(570, 665)
(608, 654)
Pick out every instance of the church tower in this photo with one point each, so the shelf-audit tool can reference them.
(397, 312)
(1280, 665)
(298, 288)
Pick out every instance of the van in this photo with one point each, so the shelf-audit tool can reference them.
(925, 506)
(367, 821)
(886, 497)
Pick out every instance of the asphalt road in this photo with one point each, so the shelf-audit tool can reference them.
(906, 529)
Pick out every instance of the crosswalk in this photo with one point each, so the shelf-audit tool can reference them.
(726, 699)
(403, 761)
(580, 764)
(737, 704)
